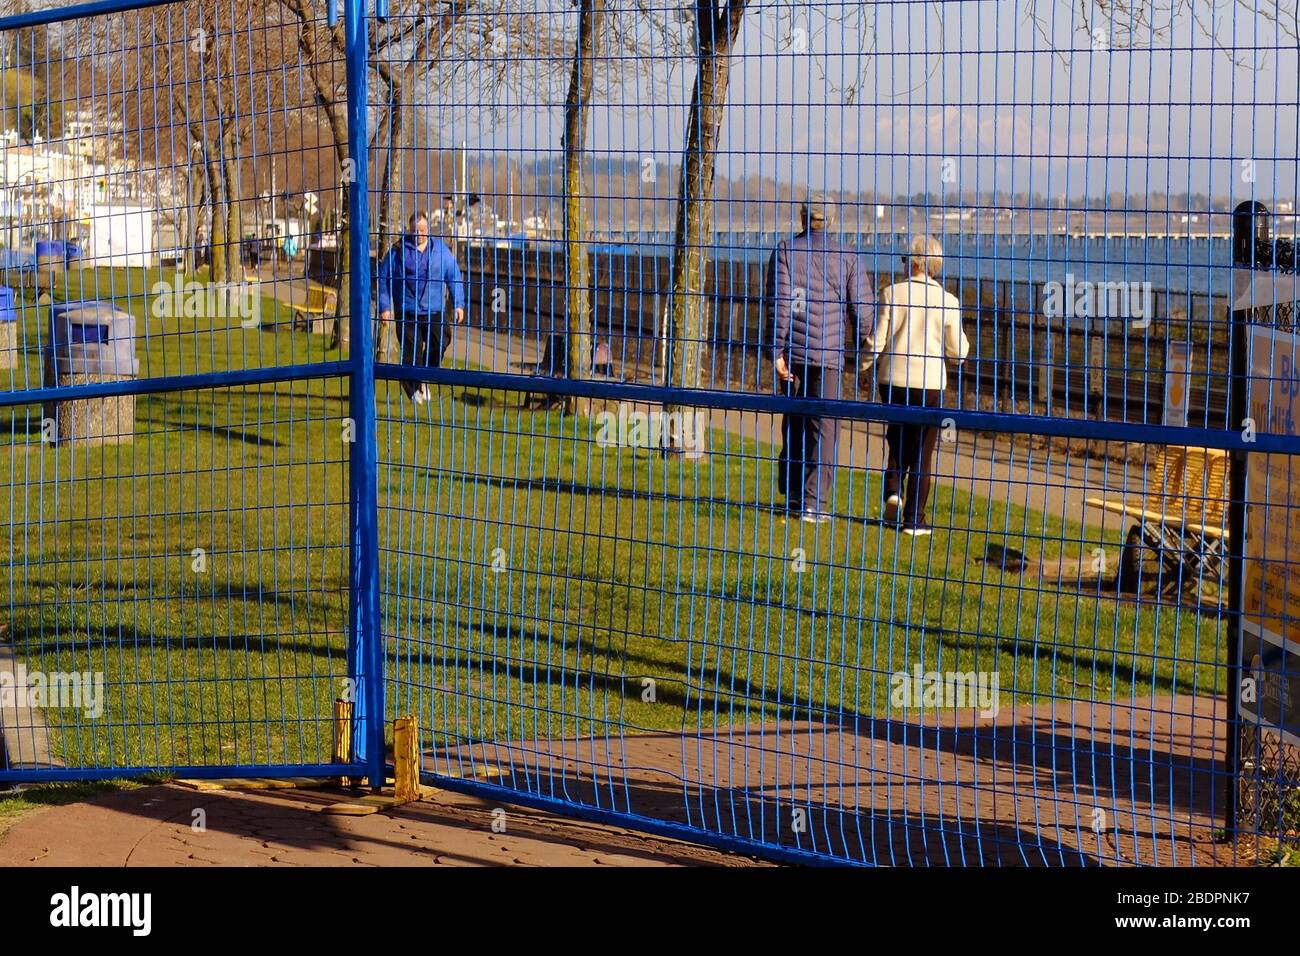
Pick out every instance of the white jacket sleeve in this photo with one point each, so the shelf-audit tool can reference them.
(955, 344)
(880, 333)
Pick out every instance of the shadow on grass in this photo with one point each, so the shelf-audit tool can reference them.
(564, 487)
(308, 603)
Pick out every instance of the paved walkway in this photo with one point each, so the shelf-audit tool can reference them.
(1024, 788)
(155, 826)
(1049, 482)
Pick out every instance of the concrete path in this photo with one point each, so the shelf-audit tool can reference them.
(1043, 480)
(158, 826)
(1074, 783)
(24, 737)
(1027, 786)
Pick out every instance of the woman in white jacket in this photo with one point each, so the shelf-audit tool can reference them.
(918, 330)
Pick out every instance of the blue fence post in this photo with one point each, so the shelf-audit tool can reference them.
(367, 640)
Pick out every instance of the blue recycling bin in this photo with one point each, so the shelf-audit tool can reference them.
(8, 329)
(90, 341)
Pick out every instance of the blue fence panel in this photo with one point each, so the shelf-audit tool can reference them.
(176, 444)
(852, 432)
(606, 587)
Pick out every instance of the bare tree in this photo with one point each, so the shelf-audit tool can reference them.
(716, 31)
(577, 279)
(405, 53)
(192, 84)
(637, 33)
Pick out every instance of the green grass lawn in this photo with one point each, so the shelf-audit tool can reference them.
(615, 566)
(531, 580)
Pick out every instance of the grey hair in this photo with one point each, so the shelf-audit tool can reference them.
(927, 252)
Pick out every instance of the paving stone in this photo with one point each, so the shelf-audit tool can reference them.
(152, 827)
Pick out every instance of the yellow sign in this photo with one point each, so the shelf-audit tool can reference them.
(1178, 380)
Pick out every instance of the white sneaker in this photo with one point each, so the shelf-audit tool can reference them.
(418, 395)
(917, 531)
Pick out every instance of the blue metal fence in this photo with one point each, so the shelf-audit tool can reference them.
(560, 526)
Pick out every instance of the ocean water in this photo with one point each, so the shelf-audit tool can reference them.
(1198, 266)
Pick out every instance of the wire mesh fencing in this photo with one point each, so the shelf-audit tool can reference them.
(853, 432)
(633, 570)
(174, 459)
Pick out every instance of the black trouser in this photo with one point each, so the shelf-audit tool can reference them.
(910, 456)
(424, 340)
(805, 471)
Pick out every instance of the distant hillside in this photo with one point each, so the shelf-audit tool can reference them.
(26, 106)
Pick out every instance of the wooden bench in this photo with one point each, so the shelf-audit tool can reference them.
(316, 315)
(1181, 522)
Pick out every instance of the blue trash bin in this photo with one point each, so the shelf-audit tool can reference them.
(51, 258)
(91, 341)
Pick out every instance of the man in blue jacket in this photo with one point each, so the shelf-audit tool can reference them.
(815, 287)
(414, 278)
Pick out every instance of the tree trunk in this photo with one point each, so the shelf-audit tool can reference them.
(217, 191)
(196, 199)
(393, 171)
(234, 220)
(577, 299)
(694, 228)
(342, 334)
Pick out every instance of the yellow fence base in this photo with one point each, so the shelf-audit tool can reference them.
(406, 775)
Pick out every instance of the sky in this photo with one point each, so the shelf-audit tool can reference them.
(958, 96)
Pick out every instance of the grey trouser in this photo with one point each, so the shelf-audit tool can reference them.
(810, 443)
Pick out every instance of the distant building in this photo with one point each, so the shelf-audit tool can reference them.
(54, 176)
(121, 235)
(88, 133)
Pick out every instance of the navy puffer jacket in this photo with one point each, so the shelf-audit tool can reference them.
(815, 285)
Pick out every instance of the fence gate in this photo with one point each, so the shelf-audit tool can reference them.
(572, 522)
(178, 590)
